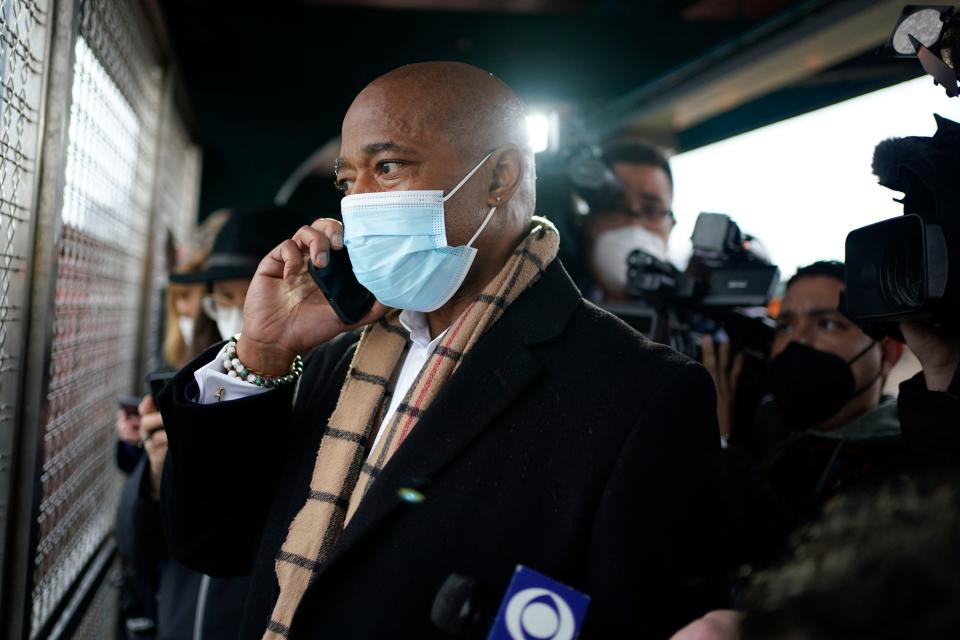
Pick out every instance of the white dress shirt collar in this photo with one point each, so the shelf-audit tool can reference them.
(416, 323)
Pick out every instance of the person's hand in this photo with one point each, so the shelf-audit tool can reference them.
(939, 354)
(128, 428)
(722, 624)
(716, 359)
(285, 313)
(154, 441)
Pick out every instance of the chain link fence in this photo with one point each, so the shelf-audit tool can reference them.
(86, 288)
(23, 37)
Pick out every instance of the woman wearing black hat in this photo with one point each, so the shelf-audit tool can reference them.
(188, 604)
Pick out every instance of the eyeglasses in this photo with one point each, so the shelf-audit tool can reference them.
(650, 211)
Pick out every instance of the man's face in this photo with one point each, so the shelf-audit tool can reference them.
(389, 144)
(649, 201)
(808, 315)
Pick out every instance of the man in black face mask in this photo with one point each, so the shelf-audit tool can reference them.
(826, 373)
(828, 426)
(828, 409)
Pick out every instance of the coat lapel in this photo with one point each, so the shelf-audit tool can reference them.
(498, 369)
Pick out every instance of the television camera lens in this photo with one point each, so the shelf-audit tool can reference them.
(902, 273)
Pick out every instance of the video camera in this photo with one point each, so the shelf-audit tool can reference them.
(728, 269)
(727, 286)
(908, 268)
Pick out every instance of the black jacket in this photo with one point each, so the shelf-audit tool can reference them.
(170, 593)
(917, 435)
(565, 442)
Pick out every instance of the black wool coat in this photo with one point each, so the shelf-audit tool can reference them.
(565, 442)
(170, 593)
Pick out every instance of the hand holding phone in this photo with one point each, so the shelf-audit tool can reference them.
(128, 420)
(285, 313)
(129, 404)
(349, 299)
(158, 380)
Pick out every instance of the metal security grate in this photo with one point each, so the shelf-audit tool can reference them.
(98, 295)
(178, 179)
(177, 194)
(23, 32)
(99, 622)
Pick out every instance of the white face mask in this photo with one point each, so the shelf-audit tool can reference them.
(186, 329)
(229, 321)
(612, 248)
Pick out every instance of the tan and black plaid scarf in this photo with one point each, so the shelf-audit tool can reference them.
(341, 477)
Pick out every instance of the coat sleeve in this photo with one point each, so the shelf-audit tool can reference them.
(661, 537)
(223, 462)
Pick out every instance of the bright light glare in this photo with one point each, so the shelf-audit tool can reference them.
(538, 129)
(802, 184)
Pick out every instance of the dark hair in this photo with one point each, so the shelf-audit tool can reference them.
(634, 152)
(829, 268)
(878, 565)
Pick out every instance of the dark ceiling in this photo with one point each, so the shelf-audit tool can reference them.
(268, 83)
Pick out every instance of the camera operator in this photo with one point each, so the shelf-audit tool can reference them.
(826, 375)
(643, 221)
(834, 427)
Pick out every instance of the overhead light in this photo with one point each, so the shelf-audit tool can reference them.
(542, 131)
(932, 34)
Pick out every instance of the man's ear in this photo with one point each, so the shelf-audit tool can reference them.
(890, 353)
(508, 173)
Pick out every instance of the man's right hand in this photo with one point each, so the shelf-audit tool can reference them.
(285, 313)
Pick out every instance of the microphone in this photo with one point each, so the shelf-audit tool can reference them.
(463, 608)
(534, 607)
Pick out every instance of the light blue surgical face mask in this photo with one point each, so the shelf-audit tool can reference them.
(397, 242)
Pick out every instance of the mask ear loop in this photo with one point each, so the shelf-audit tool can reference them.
(463, 182)
(862, 353)
(873, 380)
(466, 177)
(485, 221)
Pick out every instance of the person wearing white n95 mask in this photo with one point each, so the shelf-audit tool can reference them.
(643, 220)
(612, 248)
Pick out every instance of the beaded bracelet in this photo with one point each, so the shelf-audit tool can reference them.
(236, 369)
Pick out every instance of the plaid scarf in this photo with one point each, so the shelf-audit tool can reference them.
(341, 476)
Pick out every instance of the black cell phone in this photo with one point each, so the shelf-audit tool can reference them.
(129, 404)
(157, 381)
(349, 299)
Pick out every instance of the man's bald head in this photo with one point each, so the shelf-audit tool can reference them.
(461, 102)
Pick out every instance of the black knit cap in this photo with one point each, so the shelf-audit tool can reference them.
(246, 237)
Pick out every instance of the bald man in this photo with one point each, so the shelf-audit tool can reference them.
(481, 416)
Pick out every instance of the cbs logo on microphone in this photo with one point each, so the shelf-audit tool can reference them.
(536, 607)
(537, 614)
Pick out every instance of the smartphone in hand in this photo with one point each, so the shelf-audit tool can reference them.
(129, 404)
(348, 298)
(156, 381)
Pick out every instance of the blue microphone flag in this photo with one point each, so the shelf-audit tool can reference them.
(536, 607)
